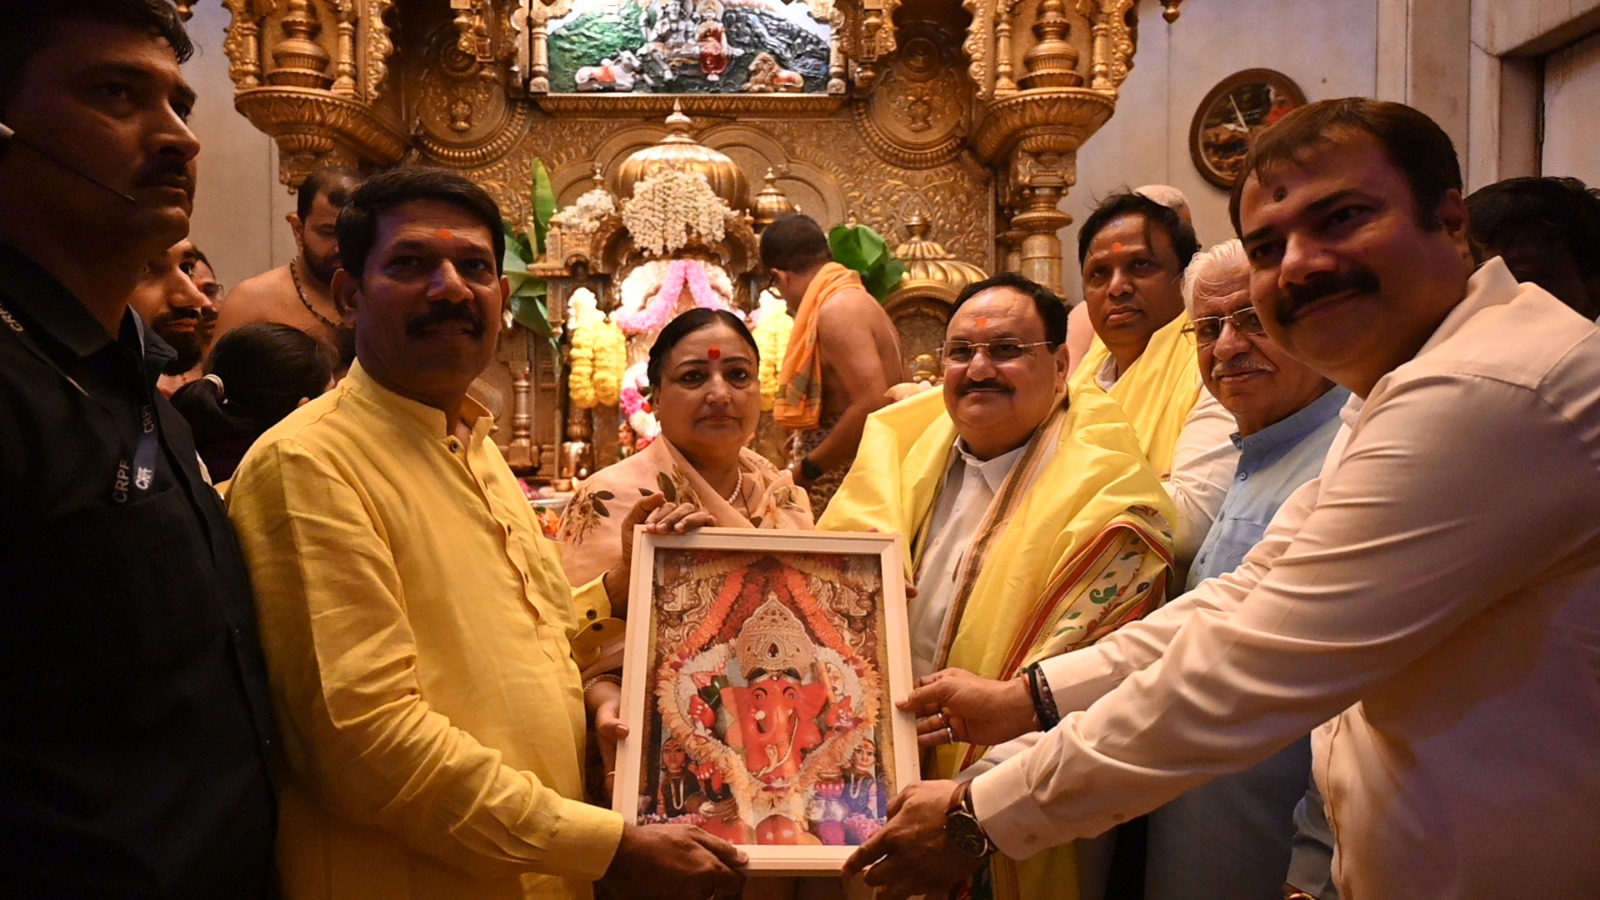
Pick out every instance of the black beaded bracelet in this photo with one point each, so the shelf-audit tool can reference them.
(1044, 702)
(809, 470)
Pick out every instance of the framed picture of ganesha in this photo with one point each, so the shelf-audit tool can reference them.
(757, 688)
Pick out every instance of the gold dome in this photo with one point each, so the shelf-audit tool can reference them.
(770, 203)
(680, 151)
(933, 269)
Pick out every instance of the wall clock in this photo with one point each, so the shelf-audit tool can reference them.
(1230, 115)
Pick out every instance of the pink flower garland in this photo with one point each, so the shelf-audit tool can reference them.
(661, 310)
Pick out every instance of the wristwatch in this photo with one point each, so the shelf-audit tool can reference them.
(961, 826)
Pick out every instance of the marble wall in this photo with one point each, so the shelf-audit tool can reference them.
(1328, 49)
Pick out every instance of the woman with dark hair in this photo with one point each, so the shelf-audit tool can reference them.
(256, 375)
(706, 392)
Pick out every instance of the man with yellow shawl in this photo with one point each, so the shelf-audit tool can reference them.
(1033, 524)
(843, 356)
(1133, 251)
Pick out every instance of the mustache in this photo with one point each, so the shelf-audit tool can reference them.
(164, 171)
(443, 313)
(182, 312)
(1358, 280)
(972, 387)
(1238, 366)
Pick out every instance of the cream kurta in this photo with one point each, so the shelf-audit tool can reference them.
(1435, 593)
(417, 629)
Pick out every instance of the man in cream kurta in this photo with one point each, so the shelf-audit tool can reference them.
(417, 624)
(1434, 592)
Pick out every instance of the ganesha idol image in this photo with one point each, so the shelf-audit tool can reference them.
(769, 704)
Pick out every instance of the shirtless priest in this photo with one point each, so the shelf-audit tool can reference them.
(297, 294)
(843, 357)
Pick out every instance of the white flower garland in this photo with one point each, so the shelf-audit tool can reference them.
(670, 207)
(586, 213)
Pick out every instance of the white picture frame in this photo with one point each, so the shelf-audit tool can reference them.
(770, 659)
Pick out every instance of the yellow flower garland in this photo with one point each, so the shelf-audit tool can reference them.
(772, 340)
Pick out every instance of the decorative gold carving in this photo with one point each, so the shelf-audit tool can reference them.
(1003, 83)
(1113, 42)
(313, 128)
(472, 27)
(298, 60)
(243, 46)
(185, 9)
(538, 14)
(882, 195)
(1055, 120)
(1170, 11)
(1052, 63)
(917, 116)
(345, 14)
(976, 45)
(865, 32)
(836, 62)
(378, 46)
(462, 105)
(520, 450)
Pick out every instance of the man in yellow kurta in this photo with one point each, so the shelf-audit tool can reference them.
(1033, 523)
(1133, 252)
(417, 626)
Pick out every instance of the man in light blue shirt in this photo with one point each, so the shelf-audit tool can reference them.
(1231, 837)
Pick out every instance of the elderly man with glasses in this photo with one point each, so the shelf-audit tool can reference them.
(1032, 525)
(1231, 837)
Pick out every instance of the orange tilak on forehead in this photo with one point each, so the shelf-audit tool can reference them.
(1116, 246)
(982, 322)
(446, 234)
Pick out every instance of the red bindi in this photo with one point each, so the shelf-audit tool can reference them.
(446, 234)
(715, 352)
(1116, 247)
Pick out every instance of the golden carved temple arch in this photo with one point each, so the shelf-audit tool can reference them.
(962, 116)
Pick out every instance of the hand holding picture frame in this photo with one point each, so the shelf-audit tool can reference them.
(757, 688)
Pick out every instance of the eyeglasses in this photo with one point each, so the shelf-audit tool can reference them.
(213, 291)
(1208, 329)
(960, 353)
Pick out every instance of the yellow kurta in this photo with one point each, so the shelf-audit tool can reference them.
(1076, 543)
(417, 629)
(1156, 393)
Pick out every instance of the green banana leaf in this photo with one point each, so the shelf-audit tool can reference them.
(544, 205)
(529, 303)
(864, 250)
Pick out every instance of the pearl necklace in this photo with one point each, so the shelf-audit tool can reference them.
(738, 487)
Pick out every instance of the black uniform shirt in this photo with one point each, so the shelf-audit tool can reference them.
(134, 718)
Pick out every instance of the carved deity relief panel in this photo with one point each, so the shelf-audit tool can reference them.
(690, 47)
